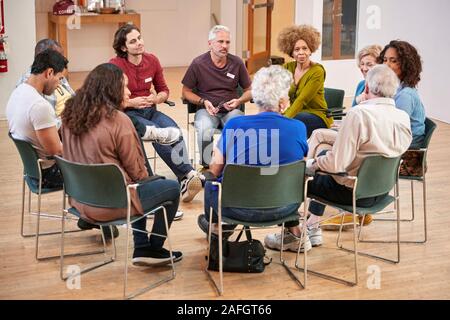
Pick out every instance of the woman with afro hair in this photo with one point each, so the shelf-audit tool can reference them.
(307, 92)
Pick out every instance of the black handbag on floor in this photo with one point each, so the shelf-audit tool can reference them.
(245, 256)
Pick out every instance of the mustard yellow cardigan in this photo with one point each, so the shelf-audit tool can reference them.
(308, 94)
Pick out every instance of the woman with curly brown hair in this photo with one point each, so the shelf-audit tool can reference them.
(95, 130)
(307, 92)
(405, 61)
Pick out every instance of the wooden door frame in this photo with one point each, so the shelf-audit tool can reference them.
(256, 59)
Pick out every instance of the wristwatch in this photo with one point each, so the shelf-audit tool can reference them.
(201, 102)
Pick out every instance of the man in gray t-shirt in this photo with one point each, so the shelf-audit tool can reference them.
(215, 77)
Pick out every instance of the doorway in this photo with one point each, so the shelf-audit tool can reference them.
(259, 29)
(275, 15)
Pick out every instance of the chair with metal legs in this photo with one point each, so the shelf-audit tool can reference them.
(253, 187)
(376, 176)
(104, 185)
(32, 177)
(430, 126)
(191, 110)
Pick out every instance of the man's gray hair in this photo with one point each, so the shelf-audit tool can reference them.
(269, 86)
(382, 81)
(213, 32)
(45, 44)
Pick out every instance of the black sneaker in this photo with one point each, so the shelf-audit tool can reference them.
(204, 226)
(148, 256)
(84, 225)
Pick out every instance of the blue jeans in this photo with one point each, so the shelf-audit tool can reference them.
(311, 121)
(51, 178)
(151, 195)
(175, 156)
(206, 125)
(247, 215)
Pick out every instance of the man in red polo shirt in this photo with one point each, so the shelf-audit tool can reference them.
(148, 88)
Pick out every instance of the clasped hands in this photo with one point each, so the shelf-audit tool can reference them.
(143, 102)
(229, 105)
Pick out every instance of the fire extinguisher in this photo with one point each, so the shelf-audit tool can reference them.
(3, 58)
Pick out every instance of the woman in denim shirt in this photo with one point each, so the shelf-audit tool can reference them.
(405, 61)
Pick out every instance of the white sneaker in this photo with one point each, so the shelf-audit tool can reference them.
(178, 216)
(164, 136)
(315, 236)
(190, 186)
(291, 242)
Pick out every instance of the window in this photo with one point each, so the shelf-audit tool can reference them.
(339, 29)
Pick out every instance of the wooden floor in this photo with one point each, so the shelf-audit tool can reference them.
(423, 273)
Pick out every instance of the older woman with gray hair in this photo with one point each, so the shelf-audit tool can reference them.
(375, 127)
(264, 139)
(366, 60)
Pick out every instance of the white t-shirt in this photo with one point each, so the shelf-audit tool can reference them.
(27, 111)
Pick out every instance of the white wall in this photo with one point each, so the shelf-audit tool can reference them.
(341, 74)
(175, 30)
(20, 29)
(229, 18)
(425, 24)
(422, 23)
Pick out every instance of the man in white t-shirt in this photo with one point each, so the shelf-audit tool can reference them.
(31, 117)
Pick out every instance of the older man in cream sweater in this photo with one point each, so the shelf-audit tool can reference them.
(375, 127)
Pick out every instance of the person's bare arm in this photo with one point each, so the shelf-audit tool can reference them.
(157, 98)
(218, 162)
(190, 96)
(49, 140)
(235, 103)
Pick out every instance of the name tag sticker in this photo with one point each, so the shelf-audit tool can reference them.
(229, 75)
(148, 80)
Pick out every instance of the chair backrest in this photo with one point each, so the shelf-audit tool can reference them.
(97, 185)
(257, 187)
(376, 176)
(192, 108)
(430, 126)
(334, 98)
(29, 157)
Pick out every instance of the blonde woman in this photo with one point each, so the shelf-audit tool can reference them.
(307, 92)
(366, 60)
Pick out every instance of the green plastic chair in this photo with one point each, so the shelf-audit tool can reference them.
(377, 175)
(104, 185)
(254, 187)
(32, 177)
(191, 110)
(430, 126)
(335, 103)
